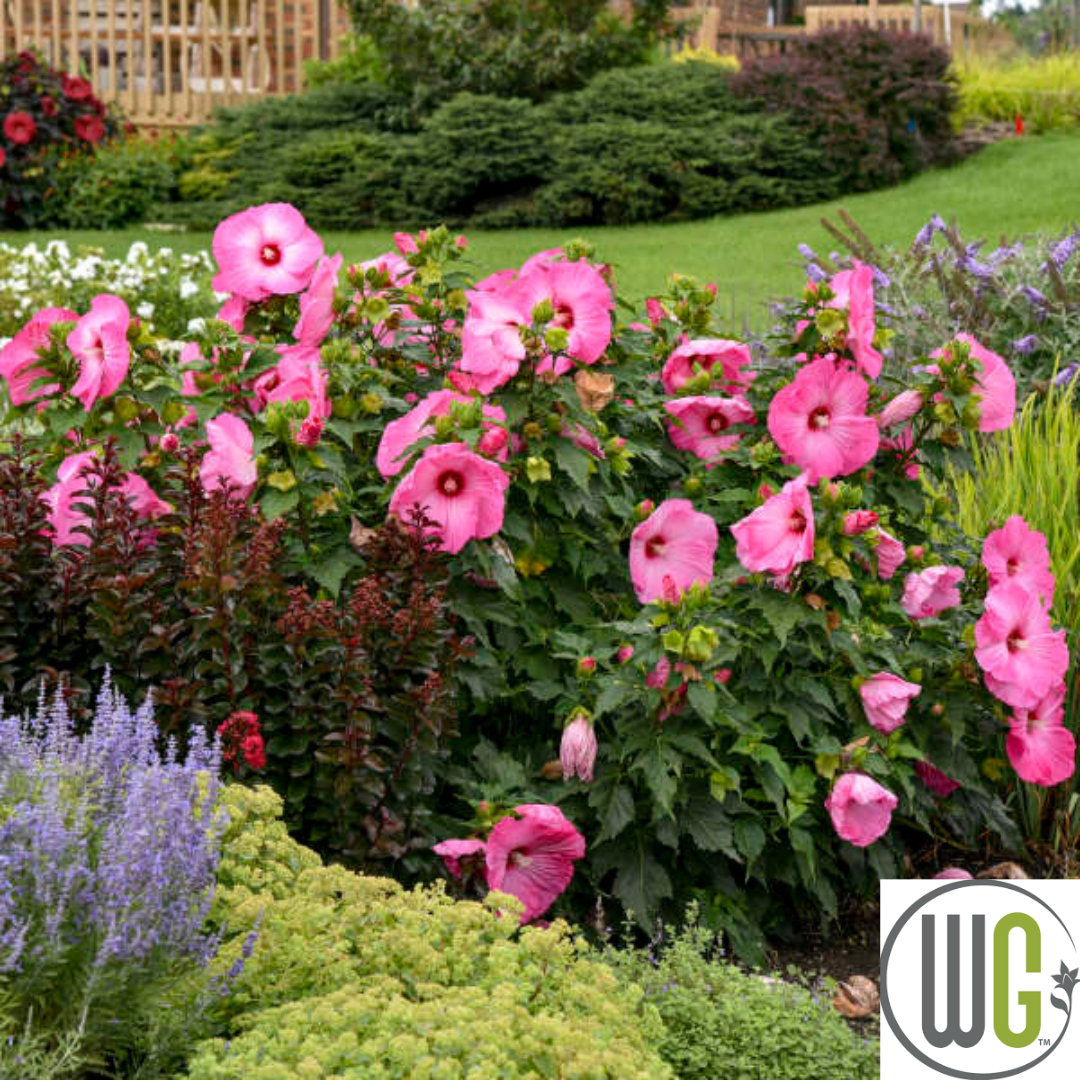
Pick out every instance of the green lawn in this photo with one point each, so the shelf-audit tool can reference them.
(1012, 188)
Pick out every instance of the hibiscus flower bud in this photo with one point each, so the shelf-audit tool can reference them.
(701, 643)
(723, 676)
(885, 699)
(902, 408)
(644, 509)
(577, 753)
(586, 665)
(170, 443)
(858, 521)
(492, 441)
(655, 311)
(625, 654)
(310, 432)
(916, 553)
(860, 808)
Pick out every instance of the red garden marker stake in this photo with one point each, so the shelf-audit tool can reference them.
(1018, 124)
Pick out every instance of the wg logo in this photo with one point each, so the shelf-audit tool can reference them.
(977, 978)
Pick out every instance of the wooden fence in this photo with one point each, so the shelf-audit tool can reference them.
(956, 28)
(171, 62)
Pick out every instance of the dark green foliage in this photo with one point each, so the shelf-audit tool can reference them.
(626, 171)
(116, 186)
(878, 104)
(506, 48)
(719, 1021)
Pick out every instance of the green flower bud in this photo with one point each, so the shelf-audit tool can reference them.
(701, 643)
(537, 470)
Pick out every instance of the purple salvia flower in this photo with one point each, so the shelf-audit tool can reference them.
(1032, 294)
(807, 252)
(816, 273)
(1025, 345)
(881, 279)
(1062, 251)
(1066, 375)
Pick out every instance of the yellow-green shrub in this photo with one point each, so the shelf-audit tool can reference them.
(356, 978)
(1045, 92)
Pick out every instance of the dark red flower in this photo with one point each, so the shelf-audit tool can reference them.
(3, 156)
(48, 105)
(19, 128)
(89, 128)
(253, 751)
(76, 88)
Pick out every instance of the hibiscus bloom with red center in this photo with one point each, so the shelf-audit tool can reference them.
(819, 420)
(532, 856)
(76, 88)
(89, 128)
(676, 542)
(1018, 553)
(701, 424)
(1040, 748)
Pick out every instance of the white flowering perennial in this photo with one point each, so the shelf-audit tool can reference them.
(167, 289)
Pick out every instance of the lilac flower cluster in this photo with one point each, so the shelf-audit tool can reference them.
(108, 849)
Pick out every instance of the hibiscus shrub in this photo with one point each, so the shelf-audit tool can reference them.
(723, 573)
(46, 116)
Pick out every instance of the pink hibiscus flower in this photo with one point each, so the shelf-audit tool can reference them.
(779, 534)
(19, 360)
(264, 251)
(74, 479)
(582, 301)
(234, 312)
(952, 873)
(890, 555)
(819, 420)
(937, 781)
(532, 857)
(230, 459)
(491, 347)
(676, 542)
(299, 376)
(860, 808)
(1018, 553)
(1040, 748)
(731, 357)
(461, 492)
(399, 436)
(99, 342)
(856, 522)
(854, 290)
(700, 424)
(901, 446)
(317, 302)
(885, 699)
(931, 591)
(995, 385)
(1022, 657)
(453, 852)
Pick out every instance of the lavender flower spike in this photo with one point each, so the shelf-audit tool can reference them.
(1025, 345)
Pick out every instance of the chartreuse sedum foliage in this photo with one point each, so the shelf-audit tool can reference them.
(1044, 91)
(356, 978)
(720, 1023)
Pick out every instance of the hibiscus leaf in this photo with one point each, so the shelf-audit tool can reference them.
(658, 775)
(641, 882)
(749, 839)
(615, 803)
(706, 822)
(275, 504)
(573, 461)
(330, 569)
(612, 696)
(781, 612)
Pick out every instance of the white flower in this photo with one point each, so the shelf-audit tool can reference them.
(145, 310)
(196, 325)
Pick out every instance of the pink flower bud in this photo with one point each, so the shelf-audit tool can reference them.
(404, 243)
(461, 242)
(916, 553)
(858, 521)
(902, 407)
(170, 443)
(492, 441)
(577, 753)
(952, 873)
(860, 808)
(586, 665)
(460, 381)
(765, 492)
(655, 311)
(310, 432)
(710, 288)
(723, 676)
(832, 491)
(625, 654)
(644, 509)
(658, 677)
(669, 590)
(412, 398)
